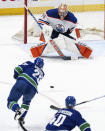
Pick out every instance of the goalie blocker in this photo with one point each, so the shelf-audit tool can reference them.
(84, 50)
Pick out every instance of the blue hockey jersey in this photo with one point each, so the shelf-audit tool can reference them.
(29, 72)
(52, 18)
(67, 119)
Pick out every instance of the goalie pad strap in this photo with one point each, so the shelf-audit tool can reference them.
(84, 50)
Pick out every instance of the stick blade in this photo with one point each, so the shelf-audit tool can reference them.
(58, 57)
(22, 126)
(54, 107)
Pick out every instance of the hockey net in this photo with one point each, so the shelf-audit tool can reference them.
(87, 26)
(30, 28)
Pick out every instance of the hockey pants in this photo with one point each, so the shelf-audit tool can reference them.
(20, 89)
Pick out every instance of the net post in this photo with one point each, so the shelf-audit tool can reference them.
(104, 19)
(25, 22)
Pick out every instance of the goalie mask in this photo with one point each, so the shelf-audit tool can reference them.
(62, 11)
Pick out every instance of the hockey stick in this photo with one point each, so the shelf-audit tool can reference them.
(32, 16)
(54, 107)
(49, 98)
(40, 93)
(57, 108)
(60, 53)
(69, 36)
(90, 100)
(21, 125)
(69, 57)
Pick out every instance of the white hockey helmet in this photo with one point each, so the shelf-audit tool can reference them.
(62, 11)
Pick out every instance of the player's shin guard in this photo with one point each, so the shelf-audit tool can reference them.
(84, 50)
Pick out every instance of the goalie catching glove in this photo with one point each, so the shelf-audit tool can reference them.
(84, 49)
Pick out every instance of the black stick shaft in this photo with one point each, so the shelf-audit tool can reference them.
(90, 100)
(57, 108)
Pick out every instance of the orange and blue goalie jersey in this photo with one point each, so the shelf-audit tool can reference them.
(52, 18)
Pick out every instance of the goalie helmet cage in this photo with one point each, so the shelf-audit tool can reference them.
(56, 4)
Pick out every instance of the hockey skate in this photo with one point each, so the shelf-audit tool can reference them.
(19, 113)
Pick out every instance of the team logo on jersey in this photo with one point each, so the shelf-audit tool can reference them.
(60, 28)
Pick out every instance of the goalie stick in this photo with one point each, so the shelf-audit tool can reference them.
(57, 108)
(32, 16)
(60, 53)
(69, 57)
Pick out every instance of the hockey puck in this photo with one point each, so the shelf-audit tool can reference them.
(51, 86)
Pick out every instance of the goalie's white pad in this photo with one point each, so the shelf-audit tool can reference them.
(78, 48)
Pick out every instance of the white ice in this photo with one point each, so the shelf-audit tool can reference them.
(84, 79)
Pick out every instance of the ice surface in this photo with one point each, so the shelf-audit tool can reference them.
(84, 79)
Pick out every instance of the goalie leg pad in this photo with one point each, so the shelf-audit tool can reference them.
(84, 50)
(37, 51)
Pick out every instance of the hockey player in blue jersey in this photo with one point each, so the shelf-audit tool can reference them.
(27, 77)
(68, 118)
